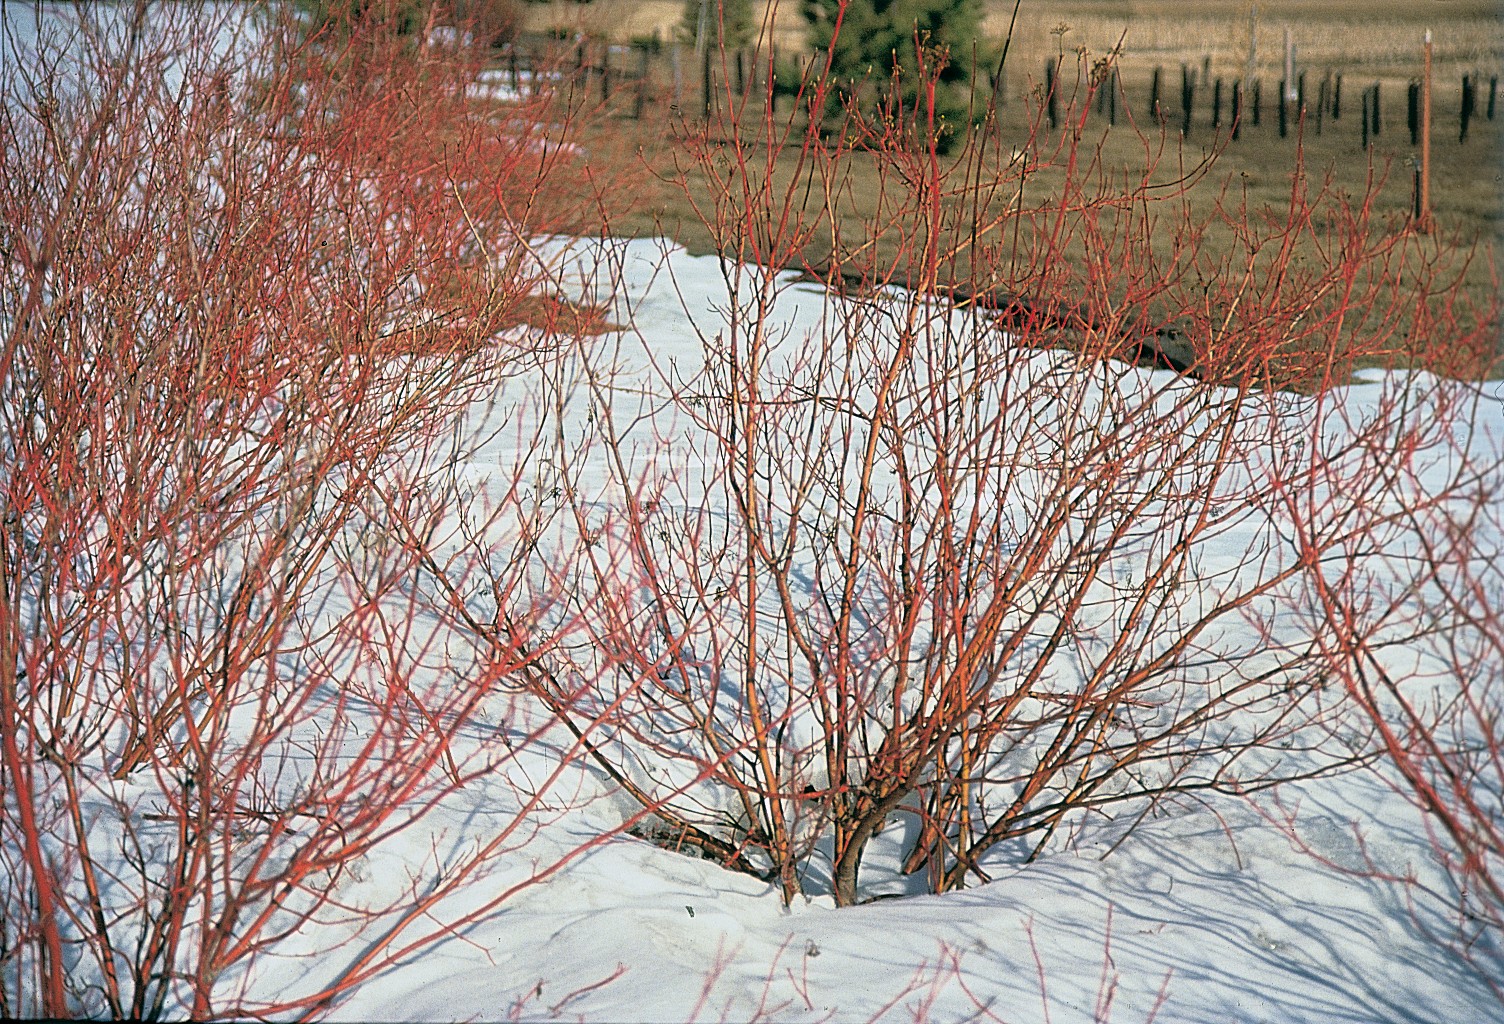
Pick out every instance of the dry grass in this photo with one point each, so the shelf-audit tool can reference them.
(1365, 42)
(617, 20)
(1378, 39)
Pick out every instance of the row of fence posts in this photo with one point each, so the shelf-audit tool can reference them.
(615, 67)
(1247, 110)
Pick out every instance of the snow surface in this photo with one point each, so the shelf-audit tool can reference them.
(1272, 908)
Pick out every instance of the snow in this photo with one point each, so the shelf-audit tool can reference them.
(504, 86)
(1311, 902)
(1222, 918)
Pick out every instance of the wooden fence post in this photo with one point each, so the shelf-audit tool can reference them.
(1049, 88)
(1187, 98)
(770, 84)
(677, 67)
(705, 86)
(1469, 100)
(1412, 112)
(1423, 218)
(1287, 89)
(1237, 109)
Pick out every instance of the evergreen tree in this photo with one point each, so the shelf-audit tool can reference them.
(728, 22)
(877, 38)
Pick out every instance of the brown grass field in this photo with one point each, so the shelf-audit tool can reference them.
(1365, 42)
